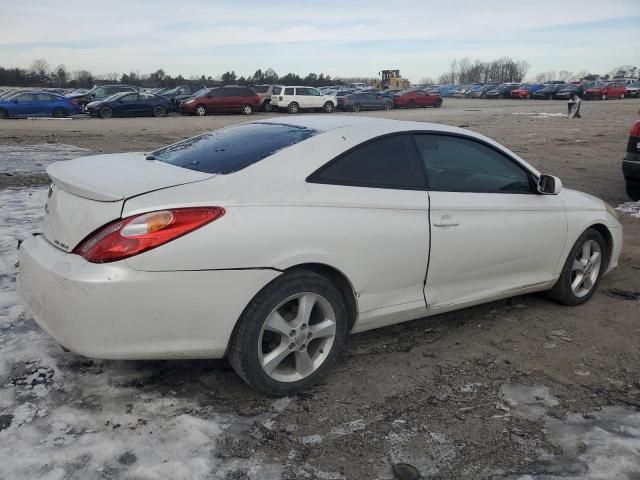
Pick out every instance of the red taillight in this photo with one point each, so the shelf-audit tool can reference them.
(635, 129)
(133, 235)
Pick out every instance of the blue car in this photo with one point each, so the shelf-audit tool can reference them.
(37, 104)
(130, 105)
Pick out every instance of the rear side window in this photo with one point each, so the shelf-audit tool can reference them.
(231, 149)
(388, 162)
(455, 164)
(289, 91)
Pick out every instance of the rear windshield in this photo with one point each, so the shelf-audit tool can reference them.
(231, 149)
(276, 90)
(261, 88)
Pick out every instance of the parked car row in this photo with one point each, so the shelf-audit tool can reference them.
(553, 90)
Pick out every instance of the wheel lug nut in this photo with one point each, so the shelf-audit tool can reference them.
(303, 327)
(292, 333)
(292, 346)
(309, 335)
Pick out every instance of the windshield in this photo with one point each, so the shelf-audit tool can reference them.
(233, 148)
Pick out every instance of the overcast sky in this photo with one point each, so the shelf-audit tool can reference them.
(338, 37)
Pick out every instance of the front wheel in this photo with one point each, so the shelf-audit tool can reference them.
(201, 110)
(106, 112)
(247, 109)
(328, 107)
(159, 111)
(621, 96)
(290, 334)
(355, 107)
(266, 106)
(411, 104)
(582, 270)
(438, 103)
(388, 106)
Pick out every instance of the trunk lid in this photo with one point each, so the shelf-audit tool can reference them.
(89, 192)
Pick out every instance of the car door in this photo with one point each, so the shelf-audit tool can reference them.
(380, 185)
(491, 232)
(43, 104)
(303, 97)
(127, 104)
(24, 105)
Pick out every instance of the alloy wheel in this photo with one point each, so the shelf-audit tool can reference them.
(246, 110)
(586, 268)
(201, 111)
(355, 107)
(297, 337)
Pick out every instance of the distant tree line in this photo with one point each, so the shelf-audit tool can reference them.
(463, 71)
(40, 74)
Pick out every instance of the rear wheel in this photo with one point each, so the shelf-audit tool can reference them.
(411, 104)
(159, 111)
(603, 96)
(355, 107)
(438, 103)
(582, 270)
(4, 113)
(293, 107)
(247, 109)
(106, 112)
(59, 113)
(200, 110)
(266, 106)
(388, 106)
(633, 192)
(328, 107)
(290, 334)
(621, 96)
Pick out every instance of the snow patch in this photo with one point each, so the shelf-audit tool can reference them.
(630, 208)
(36, 158)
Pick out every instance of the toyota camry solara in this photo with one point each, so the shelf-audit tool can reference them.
(268, 242)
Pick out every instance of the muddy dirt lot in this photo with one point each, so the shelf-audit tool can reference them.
(517, 389)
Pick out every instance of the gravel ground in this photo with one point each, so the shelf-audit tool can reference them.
(516, 389)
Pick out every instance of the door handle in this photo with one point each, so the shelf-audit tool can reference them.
(446, 221)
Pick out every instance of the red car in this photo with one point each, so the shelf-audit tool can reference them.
(606, 90)
(521, 92)
(229, 99)
(416, 98)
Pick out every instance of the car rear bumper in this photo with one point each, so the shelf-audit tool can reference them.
(113, 311)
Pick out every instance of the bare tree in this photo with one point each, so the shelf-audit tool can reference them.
(564, 75)
(40, 70)
(60, 76)
(83, 78)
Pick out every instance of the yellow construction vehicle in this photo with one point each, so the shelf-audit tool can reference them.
(391, 80)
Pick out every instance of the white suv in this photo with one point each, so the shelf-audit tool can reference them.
(295, 99)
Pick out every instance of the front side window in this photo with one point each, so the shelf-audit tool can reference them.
(25, 98)
(132, 97)
(313, 92)
(387, 162)
(456, 164)
(303, 91)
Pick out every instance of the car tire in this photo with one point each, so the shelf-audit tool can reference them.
(59, 113)
(582, 271)
(355, 107)
(4, 113)
(603, 96)
(82, 106)
(159, 111)
(266, 106)
(438, 103)
(411, 104)
(293, 108)
(106, 112)
(527, 97)
(200, 110)
(550, 97)
(621, 96)
(246, 109)
(633, 192)
(274, 350)
(328, 107)
(388, 106)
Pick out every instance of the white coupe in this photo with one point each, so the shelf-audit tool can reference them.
(268, 242)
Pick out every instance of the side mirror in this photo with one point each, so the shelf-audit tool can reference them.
(549, 185)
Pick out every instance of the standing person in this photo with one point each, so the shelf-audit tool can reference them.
(573, 106)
